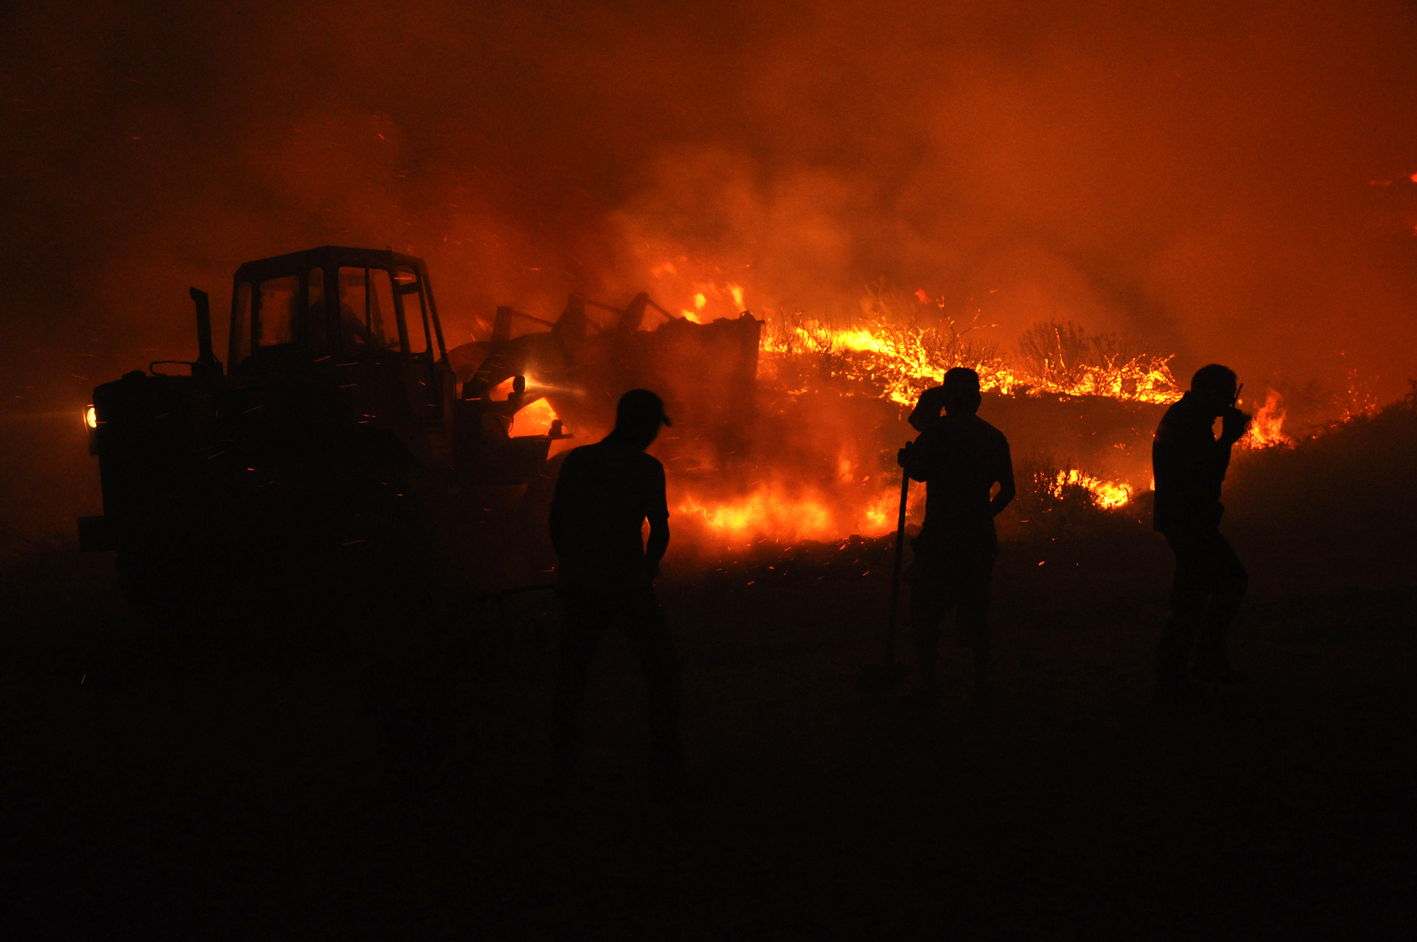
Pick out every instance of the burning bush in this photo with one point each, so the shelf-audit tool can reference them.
(834, 400)
(903, 356)
(814, 460)
(1349, 490)
(1060, 502)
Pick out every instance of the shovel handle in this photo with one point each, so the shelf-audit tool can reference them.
(895, 573)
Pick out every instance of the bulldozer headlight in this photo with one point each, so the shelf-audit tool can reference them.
(91, 417)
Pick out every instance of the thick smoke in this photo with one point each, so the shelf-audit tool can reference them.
(1224, 181)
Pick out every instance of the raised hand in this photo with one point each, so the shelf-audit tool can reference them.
(1234, 424)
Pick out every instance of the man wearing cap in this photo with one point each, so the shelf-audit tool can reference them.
(605, 578)
(960, 457)
(1189, 463)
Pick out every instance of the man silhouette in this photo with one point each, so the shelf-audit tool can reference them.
(605, 578)
(1189, 464)
(960, 457)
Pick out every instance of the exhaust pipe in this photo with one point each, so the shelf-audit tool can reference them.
(207, 364)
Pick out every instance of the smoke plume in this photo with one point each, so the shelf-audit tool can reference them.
(1228, 182)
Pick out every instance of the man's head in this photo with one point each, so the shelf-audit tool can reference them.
(1214, 386)
(961, 391)
(638, 417)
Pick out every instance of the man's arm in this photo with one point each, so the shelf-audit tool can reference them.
(1209, 457)
(1007, 490)
(927, 409)
(913, 456)
(657, 543)
(657, 512)
(1233, 426)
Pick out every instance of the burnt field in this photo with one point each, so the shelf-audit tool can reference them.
(382, 775)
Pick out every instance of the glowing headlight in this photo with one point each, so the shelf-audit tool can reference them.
(91, 417)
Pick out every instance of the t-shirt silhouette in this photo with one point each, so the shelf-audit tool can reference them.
(1189, 465)
(603, 496)
(959, 457)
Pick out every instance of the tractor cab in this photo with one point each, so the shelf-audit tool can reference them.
(332, 302)
(360, 326)
(336, 419)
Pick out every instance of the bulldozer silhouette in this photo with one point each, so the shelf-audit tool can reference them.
(345, 449)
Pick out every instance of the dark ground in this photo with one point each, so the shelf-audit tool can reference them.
(248, 782)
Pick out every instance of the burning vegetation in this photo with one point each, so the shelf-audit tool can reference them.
(812, 460)
(786, 431)
(810, 456)
(904, 359)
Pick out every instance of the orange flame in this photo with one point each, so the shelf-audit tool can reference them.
(533, 419)
(905, 360)
(1106, 494)
(901, 360)
(775, 512)
(1266, 430)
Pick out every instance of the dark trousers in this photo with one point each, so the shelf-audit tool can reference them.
(637, 615)
(1206, 594)
(951, 577)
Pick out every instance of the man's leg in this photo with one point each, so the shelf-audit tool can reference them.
(932, 595)
(1227, 582)
(1188, 595)
(642, 621)
(972, 616)
(582, 623)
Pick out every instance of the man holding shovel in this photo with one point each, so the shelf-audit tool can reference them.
(960, 457)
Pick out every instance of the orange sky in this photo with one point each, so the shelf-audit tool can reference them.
(1208, 177)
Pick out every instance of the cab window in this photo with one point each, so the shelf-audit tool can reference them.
(366, 311)
(415, 313)
(315, 317)
(274, 314)
(240, 346)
